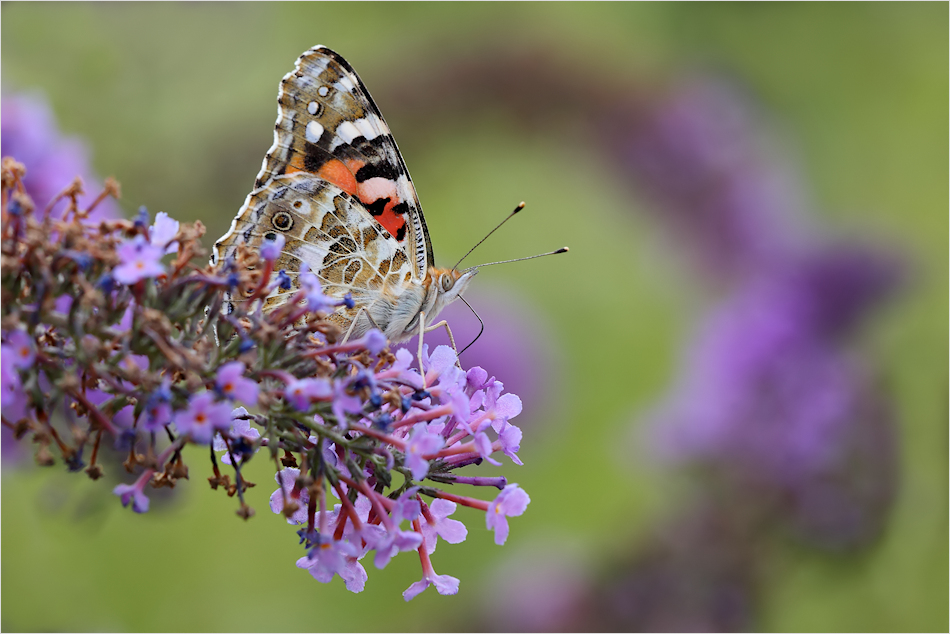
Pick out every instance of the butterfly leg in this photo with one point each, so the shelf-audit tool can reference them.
(361, 311)
(424, 329)
(349, 331)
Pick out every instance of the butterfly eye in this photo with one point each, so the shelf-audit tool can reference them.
(447, 282)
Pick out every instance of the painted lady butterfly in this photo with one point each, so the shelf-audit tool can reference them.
(335, 186)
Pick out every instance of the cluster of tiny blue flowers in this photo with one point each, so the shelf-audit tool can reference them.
(110, 330)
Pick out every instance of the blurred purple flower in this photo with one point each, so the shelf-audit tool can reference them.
(21, 349)
(30, 135)
(270, 249)
(287, 479)
(767, 394)
(232, 383)
(133, 493)
(299, 393)
(204, 417)
(14, 399)
(162, 233)
(313, 291)
(139, 260)
(697, 154)
(242, 432)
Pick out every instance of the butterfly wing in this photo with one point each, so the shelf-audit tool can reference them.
(328, 229)
(335, 184)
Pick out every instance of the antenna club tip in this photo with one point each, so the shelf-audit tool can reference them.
(519, 207)
(562, 250)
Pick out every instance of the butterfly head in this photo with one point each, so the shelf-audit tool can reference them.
(448, 285)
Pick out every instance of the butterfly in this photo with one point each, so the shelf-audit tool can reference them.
(336, 187)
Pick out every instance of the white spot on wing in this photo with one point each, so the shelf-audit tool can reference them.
(314, 131)
(346, 84)
(323, 91)
(376, 188)
(312, 107)
(366, 128)
(347, 132)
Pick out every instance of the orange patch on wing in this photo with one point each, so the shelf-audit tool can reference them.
(392, 221)
(295, 165)
(341, 175)
(373, 190)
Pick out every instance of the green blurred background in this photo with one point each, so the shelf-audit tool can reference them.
(177, 101)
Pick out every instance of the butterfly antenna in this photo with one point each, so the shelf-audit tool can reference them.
(480, 331)
(530, 257)
(510, 216)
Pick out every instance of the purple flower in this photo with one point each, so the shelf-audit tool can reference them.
(515, 345)
(407, 507)
(770, 400)
(270, 249)
(158, 411)
(421, 443)
(344, 403)
(138, 260)
(375, 341)
(203, 418)
(506, 407)
(696, 154)
(283, 280)
(764, 389)
(133, 493)
(287, 478)
(510, 438)
(442, 359)
(313, 292)
(30, 135)
(13, 398)
(240, 431)
(21, 348)
(445, 585)
(231, 383)
(162, 233)
(388, 543)
(452, 531)
(484, 447)
(335, 557)
(302, 392)
(124, 418)
(511, 502)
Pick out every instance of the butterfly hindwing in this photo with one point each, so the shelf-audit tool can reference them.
(328, 229)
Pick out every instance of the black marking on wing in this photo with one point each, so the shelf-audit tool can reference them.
(376, 170)
(378, 206)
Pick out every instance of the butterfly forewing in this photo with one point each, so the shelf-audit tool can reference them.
(335, 185)
(329, 126)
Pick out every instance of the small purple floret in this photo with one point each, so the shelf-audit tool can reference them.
(511, 502)
(203, 418)
(139, 260)
(271, 249)
(232, 384)
(132, 493)
(162, 233)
